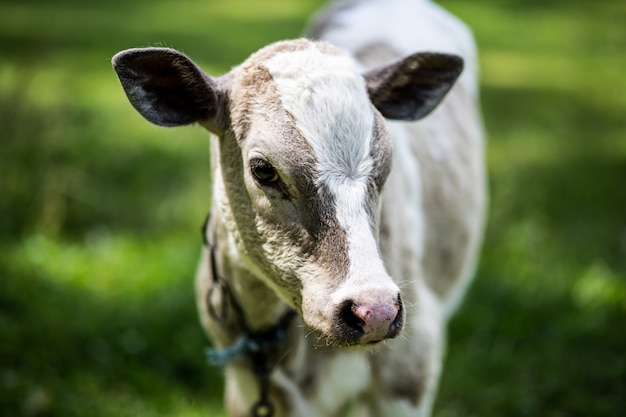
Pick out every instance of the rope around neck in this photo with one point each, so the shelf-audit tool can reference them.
(256, 347)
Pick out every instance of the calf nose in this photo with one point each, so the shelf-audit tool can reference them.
(369, 323)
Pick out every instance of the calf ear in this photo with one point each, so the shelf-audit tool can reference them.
(411, 88)
(165, 86)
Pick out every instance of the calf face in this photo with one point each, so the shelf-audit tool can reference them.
(303, 156)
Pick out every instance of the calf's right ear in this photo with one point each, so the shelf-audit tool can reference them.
(166, 87)
(412, 87)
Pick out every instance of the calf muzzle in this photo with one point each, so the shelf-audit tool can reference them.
(361, 323)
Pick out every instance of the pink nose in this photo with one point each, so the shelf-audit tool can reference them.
(371, 323)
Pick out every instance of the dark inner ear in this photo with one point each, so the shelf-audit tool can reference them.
(411, 88)
(165, 86)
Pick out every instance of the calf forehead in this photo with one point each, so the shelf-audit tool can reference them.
(327, 99)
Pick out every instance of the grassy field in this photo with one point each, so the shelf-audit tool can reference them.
(100, 211)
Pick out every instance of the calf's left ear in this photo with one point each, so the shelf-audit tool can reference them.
(166, 87)
(411, 88)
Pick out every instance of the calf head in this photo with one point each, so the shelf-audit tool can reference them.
(302, 157)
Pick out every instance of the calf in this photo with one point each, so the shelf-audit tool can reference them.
(321, 251)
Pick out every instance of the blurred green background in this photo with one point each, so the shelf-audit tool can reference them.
(100, 211)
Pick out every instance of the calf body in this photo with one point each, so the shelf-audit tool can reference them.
(367, 228)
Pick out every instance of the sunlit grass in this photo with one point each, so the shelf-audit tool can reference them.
(109, 266)
(599, 286)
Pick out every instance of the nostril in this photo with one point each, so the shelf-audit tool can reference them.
(398, 322)
(349, 317)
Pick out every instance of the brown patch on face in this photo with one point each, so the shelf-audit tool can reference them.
(313, 226)
(308, 220)
(329, 245)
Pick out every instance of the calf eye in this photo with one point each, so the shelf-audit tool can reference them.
(263, 172)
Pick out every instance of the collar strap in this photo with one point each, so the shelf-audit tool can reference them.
(259, 348)
(253, 346)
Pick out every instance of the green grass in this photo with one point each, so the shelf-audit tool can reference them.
(100, 211)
